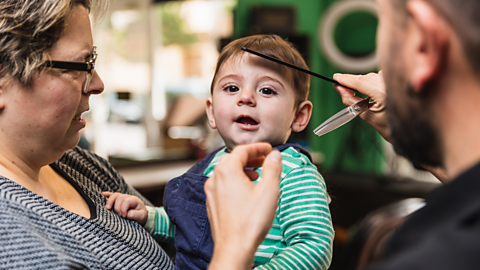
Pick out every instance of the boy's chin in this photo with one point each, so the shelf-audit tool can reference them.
(233, 143)
(242, 141)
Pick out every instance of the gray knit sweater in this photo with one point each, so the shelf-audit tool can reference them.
(38, 234)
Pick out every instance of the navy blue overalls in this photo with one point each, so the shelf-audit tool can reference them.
(184, 203)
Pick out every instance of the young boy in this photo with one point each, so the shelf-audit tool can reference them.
(253, 100)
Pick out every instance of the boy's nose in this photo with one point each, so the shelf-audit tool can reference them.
(246, 97)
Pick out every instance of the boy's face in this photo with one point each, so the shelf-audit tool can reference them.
(253, 100)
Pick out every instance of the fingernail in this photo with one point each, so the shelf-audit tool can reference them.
(336, 75)
(275, 156)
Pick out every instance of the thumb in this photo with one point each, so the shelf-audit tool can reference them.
(272, 169)
(139, 216)
(267, 193)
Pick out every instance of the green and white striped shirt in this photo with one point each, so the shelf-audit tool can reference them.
(302, 233)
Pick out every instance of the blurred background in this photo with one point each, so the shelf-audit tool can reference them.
(157, 59)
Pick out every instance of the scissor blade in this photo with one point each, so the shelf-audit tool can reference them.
(342, 117)
(339, 119)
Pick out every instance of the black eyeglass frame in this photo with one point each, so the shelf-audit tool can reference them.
(88, 66)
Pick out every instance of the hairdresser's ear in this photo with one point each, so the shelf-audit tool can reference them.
(304, 111)
(211, 118)
(427, 43)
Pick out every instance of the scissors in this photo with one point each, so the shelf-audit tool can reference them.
(342, 117)
(339, 119)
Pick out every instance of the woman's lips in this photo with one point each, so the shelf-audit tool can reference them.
(79, 119)
(78, 116)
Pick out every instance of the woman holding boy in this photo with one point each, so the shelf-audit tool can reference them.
(52, 213)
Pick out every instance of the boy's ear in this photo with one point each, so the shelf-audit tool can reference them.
(211, 118)
(302, 116)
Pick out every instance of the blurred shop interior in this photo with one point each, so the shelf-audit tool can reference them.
(157, 59)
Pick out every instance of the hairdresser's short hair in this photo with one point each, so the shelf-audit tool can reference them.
(462, 15)
(273, 46)
(28, 29)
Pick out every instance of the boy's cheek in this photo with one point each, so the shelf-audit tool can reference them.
(221, 112)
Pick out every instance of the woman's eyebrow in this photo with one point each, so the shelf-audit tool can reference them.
(82, 55)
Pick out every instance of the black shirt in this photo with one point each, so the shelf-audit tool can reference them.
(445, 234)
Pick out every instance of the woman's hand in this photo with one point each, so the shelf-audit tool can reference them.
(371, 85)
(240, 212)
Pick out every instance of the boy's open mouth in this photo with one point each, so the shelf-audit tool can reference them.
(245, 120)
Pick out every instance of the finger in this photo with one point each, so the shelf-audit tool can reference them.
(211, 213)
(133, 214)
(118, 206)
(243, 153)
(137, 215)
(211, 204)
(272, 169)
(127, 204)
(111, 201)
(269, 187)
(347, 95)
(368, 84)
(256, 162)
(253, 175)
(344, 91)
(107, 193)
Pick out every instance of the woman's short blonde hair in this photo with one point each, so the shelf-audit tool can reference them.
(28, 29)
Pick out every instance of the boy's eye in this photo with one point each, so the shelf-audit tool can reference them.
(267, 91)
(231, 88)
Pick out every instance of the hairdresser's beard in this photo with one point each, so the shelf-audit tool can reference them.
(412, 131)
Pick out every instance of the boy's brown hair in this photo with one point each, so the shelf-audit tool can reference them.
(273, 46)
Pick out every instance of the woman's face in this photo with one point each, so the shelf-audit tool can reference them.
(44, 120)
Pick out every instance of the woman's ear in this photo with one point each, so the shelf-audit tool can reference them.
(2, 98)
(302, 116)
(210, 115)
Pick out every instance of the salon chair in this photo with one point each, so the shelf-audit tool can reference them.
(367, 242)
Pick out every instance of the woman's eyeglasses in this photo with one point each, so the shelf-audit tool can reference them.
(89, 67)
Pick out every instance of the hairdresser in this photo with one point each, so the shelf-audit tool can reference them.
(429, 53)
(52, 213)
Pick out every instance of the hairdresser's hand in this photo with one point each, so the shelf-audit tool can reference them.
(240, 212)
(371, 85)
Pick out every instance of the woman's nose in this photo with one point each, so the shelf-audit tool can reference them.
(96, 85)
(246, 97)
